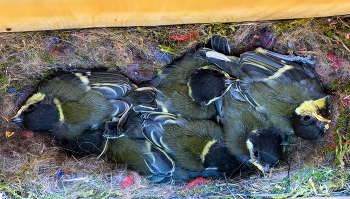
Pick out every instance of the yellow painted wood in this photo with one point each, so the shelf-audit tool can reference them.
(29, 15)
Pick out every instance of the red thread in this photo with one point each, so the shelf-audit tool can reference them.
(196, 181)
(335, 95)
(183, 38)
(127, 181)
(346, 102)
(335, 60)
(337, 145)
(29, 135)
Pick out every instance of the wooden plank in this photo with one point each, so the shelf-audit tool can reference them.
(30, 15)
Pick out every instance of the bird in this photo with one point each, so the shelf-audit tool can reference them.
(172, 93)
(241, 121)
(181, 148)
(76, 106)
(288, 93)
(139, 154)
(199, 148)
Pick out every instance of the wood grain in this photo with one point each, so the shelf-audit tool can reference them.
(31, 15)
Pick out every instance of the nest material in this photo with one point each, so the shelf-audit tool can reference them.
(38, 168)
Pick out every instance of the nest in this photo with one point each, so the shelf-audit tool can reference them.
(33, 166)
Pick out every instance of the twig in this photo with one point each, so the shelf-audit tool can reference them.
(3, 175)
(337, 38)
(226, 184)
(104, 148)
(227, 187)
(270, 175)
(313, 186)
(343, 22)
(7, 119)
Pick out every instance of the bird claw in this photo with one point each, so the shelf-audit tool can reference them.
(307, 60)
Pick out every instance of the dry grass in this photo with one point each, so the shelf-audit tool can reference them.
(32, 168)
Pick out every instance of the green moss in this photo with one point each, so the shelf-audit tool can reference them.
(343, 125)
(289, 25)
(325, 181)
(347, 41)
(170, 49)
(2, 78)
(342, 88)
(329, 32)
(221, 29)
(48, 58)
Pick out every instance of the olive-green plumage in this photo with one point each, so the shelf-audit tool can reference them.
(143, 156)
(238, 120)
(174, 96)
(188, 143)
(72, 106)
(277, 89)
(201, 147)
(190, 140)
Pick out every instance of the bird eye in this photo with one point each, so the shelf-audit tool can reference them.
(31, 107)
(256, 153)
(306, 118)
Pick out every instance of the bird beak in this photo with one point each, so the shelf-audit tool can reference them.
(261, 168)
(319, 117)
(327, 126)
(16, 118)
(322, 119)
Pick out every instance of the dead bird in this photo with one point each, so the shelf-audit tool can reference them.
(288, 93)
(76, 106)
(176, 92)
(198, 148)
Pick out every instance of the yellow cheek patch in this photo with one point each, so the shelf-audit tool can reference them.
(308, 107)
(249, 145)
(206, 149)
(35, 98)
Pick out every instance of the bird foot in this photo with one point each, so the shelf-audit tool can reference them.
(306, 60)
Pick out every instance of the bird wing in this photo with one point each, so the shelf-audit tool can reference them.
(141, 156)
(158, 161)
(172, 83)
(261, 67)
(274, 83)
(152, 127)
(111, 85)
